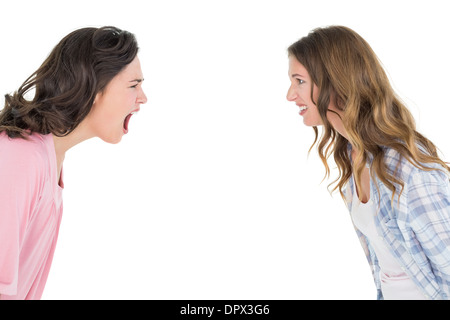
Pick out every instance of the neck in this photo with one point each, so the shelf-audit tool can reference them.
(63, 144)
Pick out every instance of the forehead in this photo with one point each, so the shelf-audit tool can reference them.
(295, 67)
(132, 71)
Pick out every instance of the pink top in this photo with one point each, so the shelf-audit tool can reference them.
(30, 214)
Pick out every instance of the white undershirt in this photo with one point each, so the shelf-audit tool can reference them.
(395, 283)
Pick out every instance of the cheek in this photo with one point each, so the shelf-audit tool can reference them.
(105, 114)
(118, 105)
(318, 118)
(312, 118)
(315, 93)
(128, 100)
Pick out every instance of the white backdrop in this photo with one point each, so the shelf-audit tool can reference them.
(211, 195)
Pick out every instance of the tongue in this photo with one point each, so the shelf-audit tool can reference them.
(125, 123)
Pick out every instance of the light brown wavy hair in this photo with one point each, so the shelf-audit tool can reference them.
(66, 84)
(348, 73)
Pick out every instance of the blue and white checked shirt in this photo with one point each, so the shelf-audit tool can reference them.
(416, 228)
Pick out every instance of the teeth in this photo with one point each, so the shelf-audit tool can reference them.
(303, 108)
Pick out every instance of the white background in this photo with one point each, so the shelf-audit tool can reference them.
(211, 195)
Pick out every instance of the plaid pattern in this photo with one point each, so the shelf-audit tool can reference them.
(415, 227)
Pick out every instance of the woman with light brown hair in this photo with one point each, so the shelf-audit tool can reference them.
(394, 183)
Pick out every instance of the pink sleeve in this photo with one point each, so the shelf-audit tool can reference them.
(19, 188)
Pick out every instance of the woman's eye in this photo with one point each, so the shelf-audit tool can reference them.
(300, 81)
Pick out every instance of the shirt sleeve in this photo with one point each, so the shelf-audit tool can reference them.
(19, 191)
(429, 209)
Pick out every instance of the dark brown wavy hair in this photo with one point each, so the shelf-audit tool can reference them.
(348, 73)
(66, 84)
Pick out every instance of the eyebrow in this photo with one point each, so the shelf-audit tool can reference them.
(297, 75)
(137, 80)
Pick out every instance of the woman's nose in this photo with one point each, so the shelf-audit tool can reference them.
(291, 96)
(142, 99)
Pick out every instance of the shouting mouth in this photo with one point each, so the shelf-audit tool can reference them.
(127, 121)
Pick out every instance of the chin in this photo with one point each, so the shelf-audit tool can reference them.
(312, 123)
(116, 141)
(309, 124)
(111, 140)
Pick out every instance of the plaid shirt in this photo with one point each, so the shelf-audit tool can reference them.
(416, 227)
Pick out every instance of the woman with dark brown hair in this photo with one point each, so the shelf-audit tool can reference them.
(89, 86)
(391, 177)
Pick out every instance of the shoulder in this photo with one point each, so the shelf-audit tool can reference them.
(21, 153)
(411, 173)
(35, 143)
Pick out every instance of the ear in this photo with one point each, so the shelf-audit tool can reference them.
(336, 102)
(340, 103)
(98, 98)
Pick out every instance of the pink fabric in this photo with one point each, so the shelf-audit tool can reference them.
(30, 214)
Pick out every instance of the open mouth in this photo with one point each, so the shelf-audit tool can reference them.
(127, 121)
(303, 110)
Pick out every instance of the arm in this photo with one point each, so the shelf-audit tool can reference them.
(429, 214)
(9, 231)
(18, 187)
